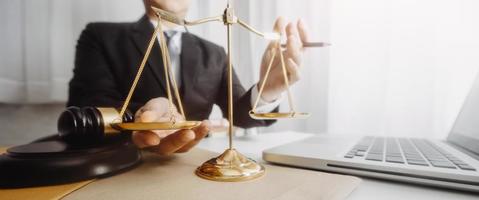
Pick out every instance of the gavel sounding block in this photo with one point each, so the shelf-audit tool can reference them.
(173, 177)
(45, 192)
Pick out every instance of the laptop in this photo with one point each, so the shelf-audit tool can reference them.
(453, 163)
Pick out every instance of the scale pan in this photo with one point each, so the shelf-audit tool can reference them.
(272, 116)
(146, 126)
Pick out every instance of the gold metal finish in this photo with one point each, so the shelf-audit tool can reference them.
(109, 116)
(230, 89)
(172, 124)
(168, 16)
(167, 66)
(286, 80)
(231, 166)
(266, 76)
(140, 71)
(145, 126)
(272, 116)
(265, 35)
(231, 19)
(204, 20)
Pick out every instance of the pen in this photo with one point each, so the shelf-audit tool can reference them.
(312, 44)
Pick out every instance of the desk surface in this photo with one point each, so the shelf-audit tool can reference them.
(252, 146)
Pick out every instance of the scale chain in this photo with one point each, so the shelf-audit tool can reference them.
(138, 74)
(266, 75)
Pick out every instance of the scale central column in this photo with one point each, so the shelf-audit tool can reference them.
(230, 88)
(230, 166)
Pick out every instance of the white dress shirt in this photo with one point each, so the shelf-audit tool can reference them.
(174, 48)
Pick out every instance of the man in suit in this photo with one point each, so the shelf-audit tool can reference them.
(107, 59)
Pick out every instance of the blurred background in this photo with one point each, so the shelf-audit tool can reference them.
(400, 68)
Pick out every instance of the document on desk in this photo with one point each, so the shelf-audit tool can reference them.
(173, 178)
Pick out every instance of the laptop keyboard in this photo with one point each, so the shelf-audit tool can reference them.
(411, 151)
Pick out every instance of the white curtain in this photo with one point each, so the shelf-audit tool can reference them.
(401, 67)
(38, 39)
(395, 67)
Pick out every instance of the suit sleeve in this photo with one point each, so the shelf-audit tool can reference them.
(241, 100)
(93, 82)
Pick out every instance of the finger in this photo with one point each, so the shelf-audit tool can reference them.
(159, 105)
(292, 30)
(293, 43)
(138, 114)
(303, 31)
(270, 48)
(200, 132)
(293, 71)
(179, 117)
(152, 116)
(279, 25)
(148, 116)
(173, 142)
(267, 59)
(293, 49)
(163, 133)
(144, 139)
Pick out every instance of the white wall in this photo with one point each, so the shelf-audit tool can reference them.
(395, 67)
(38, 39)
(401, 67)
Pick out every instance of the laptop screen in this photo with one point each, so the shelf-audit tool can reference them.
(465, 131)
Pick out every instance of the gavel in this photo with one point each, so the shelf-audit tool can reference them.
(90, 124)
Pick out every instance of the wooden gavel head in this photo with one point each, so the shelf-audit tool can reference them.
(89, 124)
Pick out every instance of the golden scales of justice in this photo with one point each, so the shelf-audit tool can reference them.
(231, 165)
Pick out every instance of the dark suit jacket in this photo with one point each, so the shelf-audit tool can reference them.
(108, 56)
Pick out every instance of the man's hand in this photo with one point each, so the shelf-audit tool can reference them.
(166, 142)
(296, 35)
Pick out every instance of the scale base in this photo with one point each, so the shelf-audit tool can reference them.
(231, 166)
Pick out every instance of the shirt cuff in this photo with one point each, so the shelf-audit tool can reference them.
(264, 106)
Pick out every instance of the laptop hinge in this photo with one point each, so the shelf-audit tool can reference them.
(463, 150)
